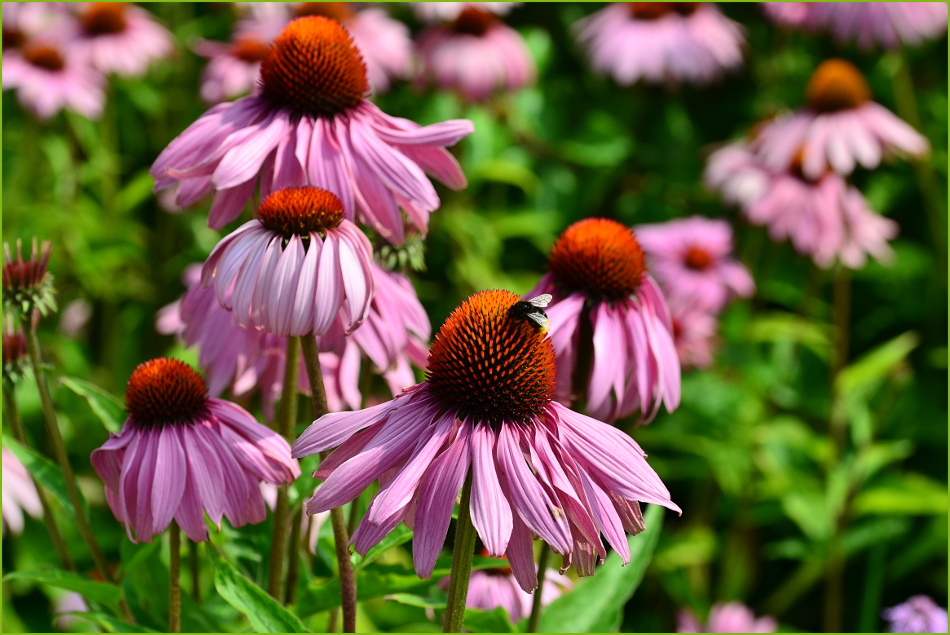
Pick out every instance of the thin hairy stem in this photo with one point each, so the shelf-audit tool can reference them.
(462, 554)
(285, 426)
(174, 579)
(341, 539)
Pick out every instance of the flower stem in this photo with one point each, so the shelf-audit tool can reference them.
(341, 539)
(174, 579)
(59, 448)
(293, 558)
(905, 100)
(285, 426)
(462, 554)
(195, 569)
(12, 416)
(536, 600)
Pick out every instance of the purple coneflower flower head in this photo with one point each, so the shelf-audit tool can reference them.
(19, 494)
(233, 68)
(490, 588)
(182, 454)
(384, 43)
(919, 614)
(691, 259)
(476, 54)
(449, 11)
(311, 125)
(116, 37)
(23, 20)
(888, 24)
(49, 78)
(27, 284)
(294, 267)
(662, 42)
(825, 218)
(838, 128)
(736, 173)
(609, 324)
(486, 405)
(694, 334)
(733, 617)
(15, 361)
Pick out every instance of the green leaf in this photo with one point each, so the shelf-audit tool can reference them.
(877, 364)
(496, 621)
(371, 582)
(787, 327)
(112, 624)
(912, 494)
(264, 612)
(95, 591)
(415, 600)
(109, 408)
(44, 471)
(596, 605)
(400, 535)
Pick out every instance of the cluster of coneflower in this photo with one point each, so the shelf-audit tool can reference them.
(492, 426)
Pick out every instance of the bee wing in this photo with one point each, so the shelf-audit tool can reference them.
(541, 301)
(540, 319)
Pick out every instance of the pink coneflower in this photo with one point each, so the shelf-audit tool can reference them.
(536, 467)
(449, 11)
(825, 218)
(609, 323)
(23, 20)
(384, 43)
(311, 125)
(662, 42)
(294, 266)
(49, 79)
(889, 24)
(182, 454)
(475, 55)
(694, 334)
(691, 259)
(733, 617)
(919, 614)
(116, 37)
(736, 173)
(490, 588)
(19, 494)
(839, 127)
(233, 68)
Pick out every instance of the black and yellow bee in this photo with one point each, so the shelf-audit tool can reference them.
(532, 310)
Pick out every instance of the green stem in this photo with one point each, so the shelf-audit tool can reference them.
(536, 600)
(341, 539)
(59, 448)
(905, 99)
(174, 579)
(462, 554)
(285, 426)
(12, 416)
(293, 555)
(194, 568)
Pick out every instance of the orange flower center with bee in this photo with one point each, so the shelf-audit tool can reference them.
(314, 68)
(599, 257)
(836, 85)
(492, 364)
(300, 211)
(162, 391)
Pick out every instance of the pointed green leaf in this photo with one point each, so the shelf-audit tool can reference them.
(264, 612)
(109, 408)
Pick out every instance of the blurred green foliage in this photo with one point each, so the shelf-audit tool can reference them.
(771, 501)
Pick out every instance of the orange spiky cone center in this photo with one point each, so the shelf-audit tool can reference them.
(248, 48)
(164, 391)
(104, 18)
(836, 85)
(339, 11)
(300, 211)
(656, 10)
(599, 257)
(491, 364)
(43, 56)
(698, 259)
(314, 68)
(472, 21)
